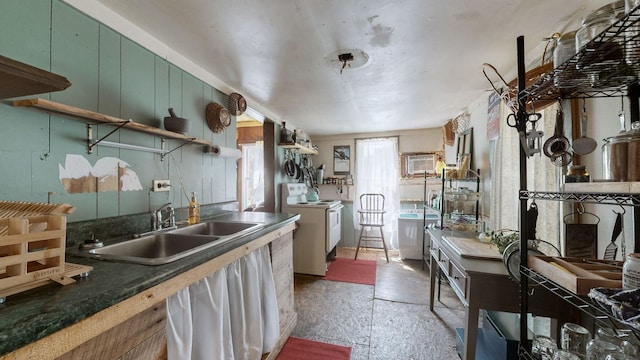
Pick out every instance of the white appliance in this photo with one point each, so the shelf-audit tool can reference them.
(410, 229)
(319, 228)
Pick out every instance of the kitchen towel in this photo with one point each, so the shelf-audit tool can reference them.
(352, 271)
(297, 348)
(223, 152)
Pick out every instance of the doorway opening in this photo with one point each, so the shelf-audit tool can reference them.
(251, 176)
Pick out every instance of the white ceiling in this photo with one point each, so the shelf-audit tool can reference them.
(425, 56)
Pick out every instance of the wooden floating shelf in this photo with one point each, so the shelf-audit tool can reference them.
(299, 148)
(20, 79)
(90, 116)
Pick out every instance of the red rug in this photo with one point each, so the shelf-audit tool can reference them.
(303, 349)
(352, 271)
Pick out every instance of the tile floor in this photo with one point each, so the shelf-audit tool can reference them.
(390, 320)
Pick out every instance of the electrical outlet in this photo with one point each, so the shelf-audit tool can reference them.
(161, 185)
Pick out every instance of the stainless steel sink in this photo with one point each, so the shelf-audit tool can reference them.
(219, 228)
(155, 249)
(165, 247)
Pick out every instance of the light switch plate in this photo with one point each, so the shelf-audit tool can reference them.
(161, 185)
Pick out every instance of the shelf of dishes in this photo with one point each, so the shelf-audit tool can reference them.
(462, 209)
(461, 200)
(462, 222)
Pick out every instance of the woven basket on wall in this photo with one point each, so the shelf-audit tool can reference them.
(449, 133)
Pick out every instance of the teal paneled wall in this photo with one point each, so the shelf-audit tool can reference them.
(26, 24)
(112, 75)
(108, 103)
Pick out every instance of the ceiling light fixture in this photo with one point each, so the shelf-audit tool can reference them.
(344, 59)
(347, 58)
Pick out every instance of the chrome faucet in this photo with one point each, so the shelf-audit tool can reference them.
(157, 221)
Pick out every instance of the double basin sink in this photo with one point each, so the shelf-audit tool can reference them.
(168, 246)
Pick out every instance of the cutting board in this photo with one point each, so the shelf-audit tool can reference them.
(472, 248)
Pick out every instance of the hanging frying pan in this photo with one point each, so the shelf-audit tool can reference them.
(299, 173)
(290, 169)
(296, 165)
(289, 166)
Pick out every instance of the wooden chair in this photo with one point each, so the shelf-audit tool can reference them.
(371, 215)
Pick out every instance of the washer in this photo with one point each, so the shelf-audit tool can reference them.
(410, 228)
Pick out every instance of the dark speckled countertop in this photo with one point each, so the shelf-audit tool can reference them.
(34, 314)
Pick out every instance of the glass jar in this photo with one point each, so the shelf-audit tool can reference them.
(543, 347)
(619, 356)
(565, 355)
(593, 51)
(574, 338)
(630, 4)
(593, 25)
(597, 349)
(565, 48)
(630, 348)
(609, 335)
(632, 32)
(631, 272)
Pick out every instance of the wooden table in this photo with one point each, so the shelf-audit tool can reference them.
(480, 280)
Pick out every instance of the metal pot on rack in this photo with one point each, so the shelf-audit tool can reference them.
(621, 155)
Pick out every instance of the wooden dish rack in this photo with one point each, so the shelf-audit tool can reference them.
(32, 246)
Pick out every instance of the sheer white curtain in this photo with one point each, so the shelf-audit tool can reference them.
(542, 175)
(377, 171)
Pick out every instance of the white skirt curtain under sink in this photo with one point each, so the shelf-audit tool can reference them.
(231, 314)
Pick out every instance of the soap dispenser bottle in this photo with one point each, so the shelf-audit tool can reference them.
(194, 210)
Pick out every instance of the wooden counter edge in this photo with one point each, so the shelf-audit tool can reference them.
(60, 342)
